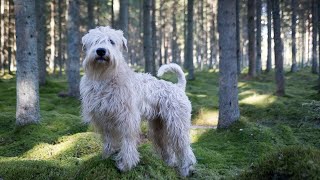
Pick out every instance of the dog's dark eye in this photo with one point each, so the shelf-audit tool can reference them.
(112, 42)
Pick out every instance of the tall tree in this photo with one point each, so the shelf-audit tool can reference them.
(314, 36)
(2, 38)
(174, 43)
(258, 39)
(154, 35)
(188, 51)
(319, 45)
(124, 17)
(293, 35)
(303, 39)
(28, 110)
(73, 62)
(90, 9)
(238, 36)
(278, 48)
(251, 35)
(213, 39)
(42, 32)
(52, 36)
(147, 37)
(269, 56)
(60, 37)
(11, 36)
(228, 90)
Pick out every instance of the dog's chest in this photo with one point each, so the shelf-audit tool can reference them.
(100, 99)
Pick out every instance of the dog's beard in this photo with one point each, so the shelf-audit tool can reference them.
(101, 60)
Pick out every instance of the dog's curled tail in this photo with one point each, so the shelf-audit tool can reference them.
(174, 68)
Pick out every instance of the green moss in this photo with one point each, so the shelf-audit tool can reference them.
(62, 147)
(293, 162)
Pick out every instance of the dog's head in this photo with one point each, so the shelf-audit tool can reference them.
(103, 47)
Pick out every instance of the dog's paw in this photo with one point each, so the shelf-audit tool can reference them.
(187, 171)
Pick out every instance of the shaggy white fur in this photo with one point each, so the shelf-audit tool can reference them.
(115, 99)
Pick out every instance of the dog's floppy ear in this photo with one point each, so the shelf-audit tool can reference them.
(124, 44)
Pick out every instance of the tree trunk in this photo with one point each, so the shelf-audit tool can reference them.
(112, 15)
(11, 40)
(258, 40)
(28, 110)
(314, 37)
(278, 49)
(228, 89)
(251, 37)
(124, 17)
(319, 45)
(189, 42)
(41, 28)
(2, 38)
(73, 62)
(293, 35)
(52, 36)
(90, 8)
(303, 53)
(147, 36)
(154, 36)
(238, 36)
(60, 37)
(213, 40)
(269, 56)
(174, 43)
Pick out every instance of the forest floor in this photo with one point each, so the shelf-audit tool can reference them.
(276, 137)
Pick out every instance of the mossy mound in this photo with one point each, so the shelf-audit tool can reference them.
(292, 162)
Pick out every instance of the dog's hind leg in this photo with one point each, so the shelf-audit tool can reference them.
(178, 136)
(158, 135)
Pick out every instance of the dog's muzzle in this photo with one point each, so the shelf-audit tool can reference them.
(102, 55)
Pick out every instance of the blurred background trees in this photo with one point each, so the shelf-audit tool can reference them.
(169, 32)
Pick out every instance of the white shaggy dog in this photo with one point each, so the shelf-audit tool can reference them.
(115, 99)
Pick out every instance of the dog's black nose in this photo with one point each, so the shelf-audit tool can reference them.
(101, 51)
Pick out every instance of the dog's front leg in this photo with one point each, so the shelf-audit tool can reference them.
(128, 156)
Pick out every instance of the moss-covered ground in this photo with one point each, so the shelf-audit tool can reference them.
(275, 138)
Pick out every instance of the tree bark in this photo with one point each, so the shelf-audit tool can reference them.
(73, 62)
(314, 37)
(258, 40)
(124, 17)
(252, 39)
(238, 36)
(52, 36)
(90, 8)
(294, 67)
(147, 36)
(269, 56)
(112, 15)
(42, 32)
(174, 43)
(154, 36)
(213, 40)
(189, 43)
(11, 36)
(28, 110)
(303, 53)
(228, 89)
(319, 46)
(60, 37)
(278, 49)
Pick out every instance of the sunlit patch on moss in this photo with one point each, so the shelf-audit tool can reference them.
(206, 117)
(257, 99)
